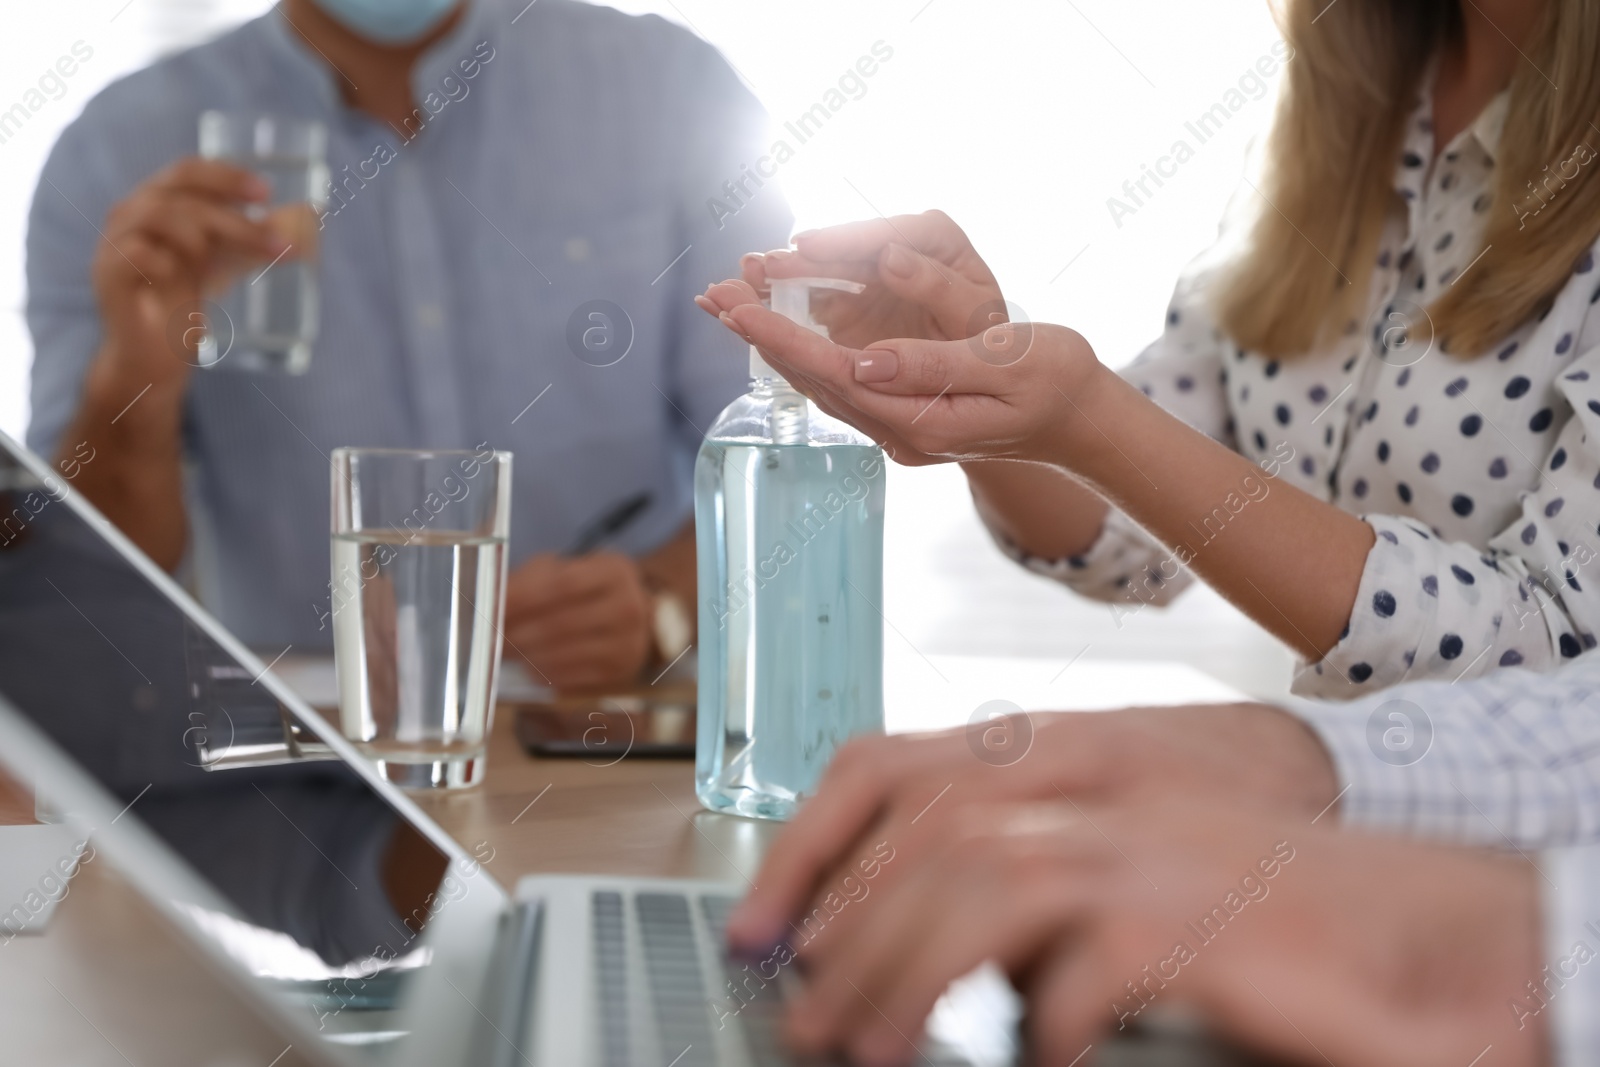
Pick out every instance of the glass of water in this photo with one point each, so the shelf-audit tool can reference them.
(418, 601)
(267, 320)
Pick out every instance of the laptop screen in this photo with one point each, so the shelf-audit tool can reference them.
(324, 879)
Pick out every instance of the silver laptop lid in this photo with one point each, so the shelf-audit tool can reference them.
(246, 818)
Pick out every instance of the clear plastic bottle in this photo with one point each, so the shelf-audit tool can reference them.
(789, 524)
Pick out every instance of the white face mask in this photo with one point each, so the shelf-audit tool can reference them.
(388, 21)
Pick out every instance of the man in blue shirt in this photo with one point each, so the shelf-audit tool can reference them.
(497, 167)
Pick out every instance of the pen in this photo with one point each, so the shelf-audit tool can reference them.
(610, 523)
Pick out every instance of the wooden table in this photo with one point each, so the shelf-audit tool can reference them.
(630, 817)
(640, 817)
(109, 983)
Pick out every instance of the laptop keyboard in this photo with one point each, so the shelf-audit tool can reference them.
(762, 999)
(672, 967)
(728, 1016)
(685, 1012)
(611, 977)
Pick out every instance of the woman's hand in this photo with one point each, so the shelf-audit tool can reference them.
(1037, 393)
(1303, 942)
(1014, 391)
(923, 279)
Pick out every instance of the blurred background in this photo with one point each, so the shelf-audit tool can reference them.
(1020, 118)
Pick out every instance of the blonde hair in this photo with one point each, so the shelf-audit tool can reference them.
(1306, 270)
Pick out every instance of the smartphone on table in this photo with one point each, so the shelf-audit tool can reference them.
(654, 723)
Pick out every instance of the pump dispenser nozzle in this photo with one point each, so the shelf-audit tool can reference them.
(791, 298)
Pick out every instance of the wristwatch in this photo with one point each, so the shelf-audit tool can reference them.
(671, 625)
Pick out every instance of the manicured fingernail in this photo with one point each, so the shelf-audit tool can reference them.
(705, 304)
(728, 321)
(900, 262)
(778, 255)
(803, 234)
(877, 365)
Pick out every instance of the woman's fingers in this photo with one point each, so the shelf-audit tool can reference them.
(908, 367)
(814, 364)
(959, 306)
(833, 402)
(753, 271)
(725, 296)
(783, 263)
(793, 346)
(933, 233)
(944, 403)
(935, 368)
(902, 281)
(826, 372)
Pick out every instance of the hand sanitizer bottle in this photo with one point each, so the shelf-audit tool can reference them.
(789, 525)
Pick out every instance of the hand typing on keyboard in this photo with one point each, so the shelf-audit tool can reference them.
(1277, 930)
(878, 788)
(1116, 865)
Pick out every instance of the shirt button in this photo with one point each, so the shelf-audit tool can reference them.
(578, 249)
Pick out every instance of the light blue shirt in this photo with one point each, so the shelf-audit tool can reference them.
(566, 154)
(1508, 759)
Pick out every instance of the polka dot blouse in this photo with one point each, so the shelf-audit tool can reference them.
(1481, 477)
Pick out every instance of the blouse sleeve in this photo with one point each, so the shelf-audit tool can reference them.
(1183, 371)
(1429, 608)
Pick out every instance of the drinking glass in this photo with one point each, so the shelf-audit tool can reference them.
(418, 601)
(267, 318)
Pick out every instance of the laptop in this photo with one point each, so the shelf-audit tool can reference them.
(319, 891)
